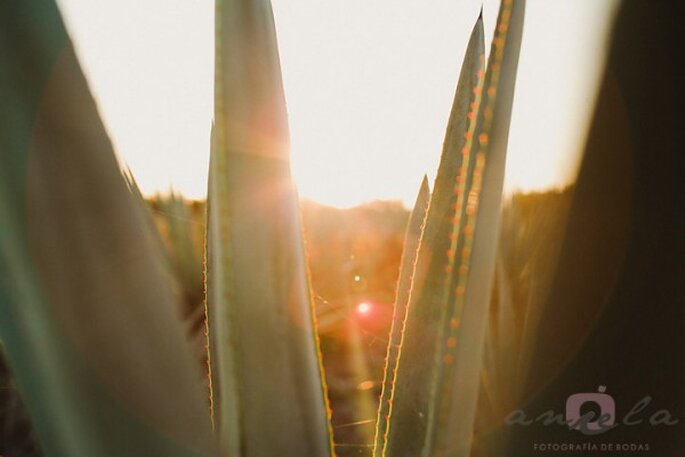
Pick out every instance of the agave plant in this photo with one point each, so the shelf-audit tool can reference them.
(70, 224)
(428, 403)
(93, 323)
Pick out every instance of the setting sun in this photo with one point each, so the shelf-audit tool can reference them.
(368, 93)
(363, 308)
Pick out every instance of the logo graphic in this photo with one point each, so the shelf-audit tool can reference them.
(588, 423)
(592, 413)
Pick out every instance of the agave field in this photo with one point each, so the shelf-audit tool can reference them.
(254, 324)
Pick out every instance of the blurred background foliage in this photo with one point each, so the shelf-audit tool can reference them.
(354, 257)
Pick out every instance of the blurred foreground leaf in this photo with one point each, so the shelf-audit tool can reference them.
(268, 390)
(90, 326)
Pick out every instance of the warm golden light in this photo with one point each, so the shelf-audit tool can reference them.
(363, 308)
(368, 104)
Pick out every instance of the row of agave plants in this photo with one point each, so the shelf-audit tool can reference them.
(90, 313)
(95, 338)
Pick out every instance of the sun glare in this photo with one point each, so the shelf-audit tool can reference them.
(363, 308)
(367, 102)
(368, 105)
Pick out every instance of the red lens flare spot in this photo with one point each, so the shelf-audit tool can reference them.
(364, 308)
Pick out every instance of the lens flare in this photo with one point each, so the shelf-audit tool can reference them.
(364, 308)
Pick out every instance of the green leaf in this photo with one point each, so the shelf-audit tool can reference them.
(412, 239)
(87, 317)
(268, 390)
(436, 395)
(408, 387)
(476, 256)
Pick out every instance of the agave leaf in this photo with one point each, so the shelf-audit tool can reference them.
(412, 240)
(439, 394)
(268, 390)
(408, 383)
(411, 244)
(463, 334)
(87, 317)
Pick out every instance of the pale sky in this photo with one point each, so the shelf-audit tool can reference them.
(369, 86)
